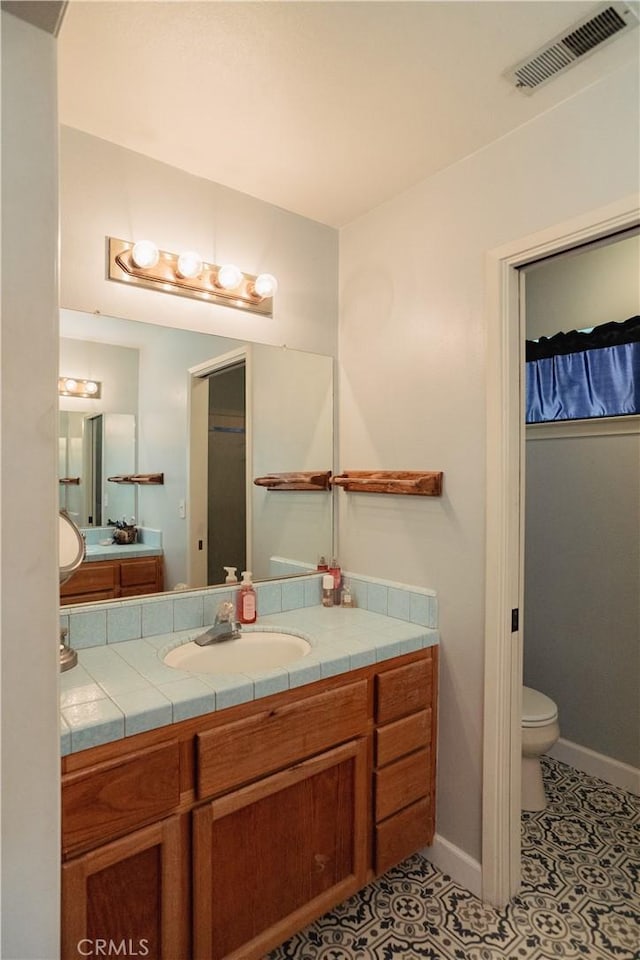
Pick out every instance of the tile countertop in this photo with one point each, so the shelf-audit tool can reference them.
(119, 551)
(120, 689)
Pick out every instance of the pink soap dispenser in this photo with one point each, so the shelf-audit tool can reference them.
(246, 611)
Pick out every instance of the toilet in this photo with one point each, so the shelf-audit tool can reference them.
(540, 731)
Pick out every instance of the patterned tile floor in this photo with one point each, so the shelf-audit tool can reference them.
(580, 896)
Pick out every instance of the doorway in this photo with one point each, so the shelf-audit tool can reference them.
(95, 437)
(505, 534)
(219, 513)
(582, 502)
(226, 474)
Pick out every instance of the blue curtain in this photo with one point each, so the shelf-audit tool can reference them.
(572, 377)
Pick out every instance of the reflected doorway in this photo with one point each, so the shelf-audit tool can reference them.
(219, 518)
(226, 473)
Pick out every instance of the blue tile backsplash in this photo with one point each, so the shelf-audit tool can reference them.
(114, 622)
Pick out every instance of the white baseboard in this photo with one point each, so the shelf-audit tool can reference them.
(455, 863)
(597, 765)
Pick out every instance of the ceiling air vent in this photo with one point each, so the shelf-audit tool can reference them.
(573, 44)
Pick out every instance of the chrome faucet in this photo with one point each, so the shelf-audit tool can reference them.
(224, 627)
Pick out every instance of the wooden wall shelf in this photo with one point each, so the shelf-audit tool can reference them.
(302, 480)
(416, 483)
(142, 478)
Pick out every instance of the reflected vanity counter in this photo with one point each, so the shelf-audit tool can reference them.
(100, 546)
(113, 570)
(122, 686)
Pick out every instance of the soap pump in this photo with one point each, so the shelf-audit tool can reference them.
(246, 611)
(231, 574)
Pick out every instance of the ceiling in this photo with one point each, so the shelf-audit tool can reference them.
(327, 109)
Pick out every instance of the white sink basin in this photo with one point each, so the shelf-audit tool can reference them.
(255, 650)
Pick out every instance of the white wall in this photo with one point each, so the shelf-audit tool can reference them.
(582, 578)
(296, 525)
(412, 385)
(584, 288)
(107, 190)
(28, 545)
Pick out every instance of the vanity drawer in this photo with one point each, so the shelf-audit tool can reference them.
(403, 834)
(402, 782)
(404, 690)
(248, 749)
(92, 578)
(112, 798)
(403, 736)
(136, 572)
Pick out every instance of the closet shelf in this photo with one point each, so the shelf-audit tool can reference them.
(317, 480)
(416, 483)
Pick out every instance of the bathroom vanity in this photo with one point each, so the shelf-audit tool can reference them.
(114, 578)
(222, 835)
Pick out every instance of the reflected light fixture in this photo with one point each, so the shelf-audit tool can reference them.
(188, 275)
(75, 387)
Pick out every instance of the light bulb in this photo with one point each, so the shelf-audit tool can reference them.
(145, 254)
(189, 265)
(70, 385)
(265, 285)
(229, 276)
(90, 387)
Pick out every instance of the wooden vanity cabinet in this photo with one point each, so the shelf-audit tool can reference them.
(134, 891)
(219, 837)
(274, 855)
(404, 774)
(113, 579)
(130, 882)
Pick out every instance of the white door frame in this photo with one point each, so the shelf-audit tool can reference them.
(505, 534)
(196, 479)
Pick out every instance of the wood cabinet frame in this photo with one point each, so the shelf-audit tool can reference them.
(169, 836)
(389, 711)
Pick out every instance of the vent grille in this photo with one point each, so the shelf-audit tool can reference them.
(565, 50)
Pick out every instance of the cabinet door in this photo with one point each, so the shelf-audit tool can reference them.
(271, 857)
(140, 575)
(133, 892)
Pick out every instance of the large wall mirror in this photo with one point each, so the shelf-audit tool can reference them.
(191, 405)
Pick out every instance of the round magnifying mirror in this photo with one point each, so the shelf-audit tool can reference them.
(70, 546)
(71, 551)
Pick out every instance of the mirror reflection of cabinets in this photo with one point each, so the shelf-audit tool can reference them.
(147, 374)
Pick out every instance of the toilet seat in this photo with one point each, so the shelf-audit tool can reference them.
(538, 710)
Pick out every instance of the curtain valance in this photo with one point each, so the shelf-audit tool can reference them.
(579, 375)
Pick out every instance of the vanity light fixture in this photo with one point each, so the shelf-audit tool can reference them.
(145, 254)
(187, 275)
(189, 265)
(75, 387)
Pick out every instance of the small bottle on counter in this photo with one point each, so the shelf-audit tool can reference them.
(336, 573)
(327, 590)
(246, 610)
(322, 564)
(347, 596)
